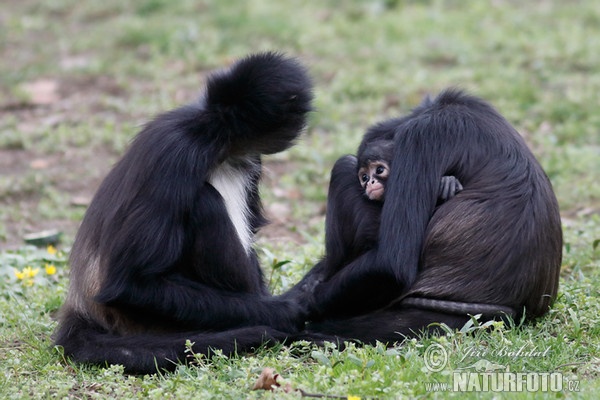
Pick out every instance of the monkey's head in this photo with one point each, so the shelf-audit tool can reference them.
(372, 177)
(374, 168)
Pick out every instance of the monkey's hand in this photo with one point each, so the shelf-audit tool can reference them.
(302, 294)
(289, 314)
(449, 187)
(308, 284)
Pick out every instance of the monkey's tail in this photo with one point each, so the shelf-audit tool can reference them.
(386, 326)
(487, 311)
(147, 353)
(406, 318)
(260, 102)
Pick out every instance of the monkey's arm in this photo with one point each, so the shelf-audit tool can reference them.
(197, 306)
(360, 287)
(190, 268)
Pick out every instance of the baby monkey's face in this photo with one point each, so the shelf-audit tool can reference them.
(372, 177)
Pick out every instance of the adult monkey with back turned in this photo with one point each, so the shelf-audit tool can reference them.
(164, 253)
(495, 247)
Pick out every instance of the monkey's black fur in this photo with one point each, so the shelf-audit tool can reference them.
(164, 251)
(495, 248)
(357, 222)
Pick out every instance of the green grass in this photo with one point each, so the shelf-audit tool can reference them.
(114, 64)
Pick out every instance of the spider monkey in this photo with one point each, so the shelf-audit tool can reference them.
(357, 223)
(493, 249)
(164, 253)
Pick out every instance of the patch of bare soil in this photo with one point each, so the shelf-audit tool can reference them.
(72, 173)
(59, 174)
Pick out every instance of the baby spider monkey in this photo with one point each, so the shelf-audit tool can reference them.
(354, 219)
(374, 168)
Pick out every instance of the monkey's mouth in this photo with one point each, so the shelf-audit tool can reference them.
(375, 193)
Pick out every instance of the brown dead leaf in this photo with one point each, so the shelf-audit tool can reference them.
(270, 380)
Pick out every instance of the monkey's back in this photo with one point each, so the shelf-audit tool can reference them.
(499, 240)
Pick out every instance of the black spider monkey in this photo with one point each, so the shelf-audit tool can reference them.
(164, 253)
(495, 248)
(357, 227)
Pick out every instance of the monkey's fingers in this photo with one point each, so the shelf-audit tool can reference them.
(458, 186)
(446, 187)
(449, 187)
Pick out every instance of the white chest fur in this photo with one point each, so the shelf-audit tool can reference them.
(233, 185)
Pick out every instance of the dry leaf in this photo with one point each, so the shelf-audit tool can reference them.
(270, 380)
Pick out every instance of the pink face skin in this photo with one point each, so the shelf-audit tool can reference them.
(372, 178)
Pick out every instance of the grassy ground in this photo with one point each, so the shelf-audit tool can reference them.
(77, 79)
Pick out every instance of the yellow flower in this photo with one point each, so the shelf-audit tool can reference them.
(51, 249)
(30, 272)
(50, 269)
(353, 397)
(27, 275)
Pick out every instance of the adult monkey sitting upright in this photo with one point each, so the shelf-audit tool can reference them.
(494, 248)
(164, 253)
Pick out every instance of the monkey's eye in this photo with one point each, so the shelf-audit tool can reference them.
(380, 170)
(364, 178)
